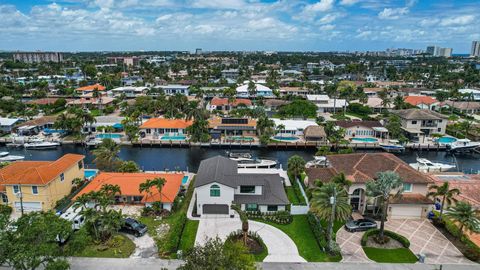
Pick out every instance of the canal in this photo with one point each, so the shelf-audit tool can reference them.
(152, 158)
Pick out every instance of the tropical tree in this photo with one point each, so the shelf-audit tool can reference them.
(244, 219)
(128, 167)
(342, 181)
(280, 128)
(387, 186)
(252, 89)
(330, 202)
(106, 155)
(383, 95)
(156, 182)
(131, 128)
(443, 191)
(466, 216)
(296, 166)
(334, 134)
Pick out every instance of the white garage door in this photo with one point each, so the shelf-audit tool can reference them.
(406, 211)
(28, 206)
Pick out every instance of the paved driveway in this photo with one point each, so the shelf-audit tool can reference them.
(280, 247)
(350, 247)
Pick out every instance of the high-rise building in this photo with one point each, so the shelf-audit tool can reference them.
(433, 50)
(445, 52)
(198, 51)
(38, 57)
(475, 49)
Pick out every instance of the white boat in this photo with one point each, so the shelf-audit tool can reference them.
(392, 146)
(318, 161)
(5, 156)
(41, 145)
(462, 145)
(425, 165)
(253, 163)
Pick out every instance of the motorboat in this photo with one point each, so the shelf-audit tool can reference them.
(392, 146)
(5, 156)
(234, 154)
(425, 165)
(254, 163)
(40, 145)
(462, 145)
(318, 161)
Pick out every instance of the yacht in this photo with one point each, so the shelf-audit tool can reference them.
(41, 145)
(318, 161)
(462, 145)
(5, 156)
(245, 160)
(425, 165)
(392, 146)
(234, 154)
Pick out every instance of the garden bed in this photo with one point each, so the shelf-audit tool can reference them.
(460, 245)
(394, 250)
(255, 245)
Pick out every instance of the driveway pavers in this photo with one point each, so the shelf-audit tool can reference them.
(350, 247)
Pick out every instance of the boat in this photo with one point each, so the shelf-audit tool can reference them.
(392, 146)
(234, 154)
(41, 145)
(254, 163)
(462, 145)
(5, 156)
(425, 165)
(318, 161)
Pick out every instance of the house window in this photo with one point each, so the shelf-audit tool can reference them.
(80, 165)
(407, 187)
(34, 190)
(414, 122)
(148, 131)
(247, 189)
(272, 208)
(16, 189)
(4, 198)
(214, 191)
(251, 207)
(62, 177)
(439, 129)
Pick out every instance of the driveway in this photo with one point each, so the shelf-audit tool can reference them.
(280, 247)
(350, 247)
(145, 246)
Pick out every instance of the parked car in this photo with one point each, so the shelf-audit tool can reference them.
(133, 226)
(363, 224)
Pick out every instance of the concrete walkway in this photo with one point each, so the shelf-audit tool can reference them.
(280, 247)
(351, 249)
(145, 246)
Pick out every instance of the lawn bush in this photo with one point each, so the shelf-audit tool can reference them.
(402, 239)
(5, 210)
(280, 217)
(318, 231)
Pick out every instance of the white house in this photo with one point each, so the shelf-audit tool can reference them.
(173, 89)
(104, 121)
(262, 91)
(292, 127)
(327, 104)
(129, 91)
(474, 92)
(218, 185)
(7, 124)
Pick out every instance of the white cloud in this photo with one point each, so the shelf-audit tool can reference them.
(219, 4)
(328, 18)
(321, 6)
(393, 13)
(348, 2)
(457, 20)
(327, 27)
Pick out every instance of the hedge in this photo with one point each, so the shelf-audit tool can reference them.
(317, 230)
(280, 217)
(402, 239)
(296, 188)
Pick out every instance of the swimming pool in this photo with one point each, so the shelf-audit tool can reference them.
(89, 174)
(364, 140)
(240, 138)
(185, 180)
(446, 140)
(173, 138)
(286, 138)
(108, 136)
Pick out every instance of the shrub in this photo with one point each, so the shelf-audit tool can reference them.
(317, 230)
(402, 239)
(279, 217)
(253, 235)
(174, 236)
(296, 188)
(5, 210)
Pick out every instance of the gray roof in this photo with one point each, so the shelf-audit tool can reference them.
(418, 114)
(224, 171)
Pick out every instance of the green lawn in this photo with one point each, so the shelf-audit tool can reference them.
(336, 225)
(292, 197)
(397, 255)
(188, 237)
(299, 231)
(123, 251)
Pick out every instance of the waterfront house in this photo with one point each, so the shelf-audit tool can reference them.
(468, 107)
(470, 94)
(218, 185)
(261, 91)
(35, 126)
(315, 133)
(422, 102)
(104, 121)
(156, 128)
(40, 183)
(7, 124)
(291, 127)
(129, 184)
(173, 89)
(360, 168)
(363, 129)
(222, 104)
(419, 124)
(129, 91)
(326, 104)
(228, 126)
(90, 88)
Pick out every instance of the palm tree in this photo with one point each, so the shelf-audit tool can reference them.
(445, 193)
(466, 216)
(387, 186)
(244, 219)
(341, 180)
(106, 155)
(252, 89)
(280, 128)
(296, 166)
(383, 95)
(330, 202)
(156, 182)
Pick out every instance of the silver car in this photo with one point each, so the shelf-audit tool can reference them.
(363, 224)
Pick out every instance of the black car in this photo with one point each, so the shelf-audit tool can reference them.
(134, 227)
(363, 224)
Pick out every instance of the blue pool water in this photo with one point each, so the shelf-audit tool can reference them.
(174, 138)
(184, 180)
(90, 173)
(446, 140)
(108, 136)
(364, 140)
(283, 138)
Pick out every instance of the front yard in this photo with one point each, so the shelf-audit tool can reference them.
(119, 246)
(397, 255)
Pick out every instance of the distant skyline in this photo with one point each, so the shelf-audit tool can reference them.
(237, 25)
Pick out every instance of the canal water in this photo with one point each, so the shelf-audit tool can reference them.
(189, 158)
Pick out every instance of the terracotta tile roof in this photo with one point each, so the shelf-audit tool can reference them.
(39, 121)
(224, 101)
(166, 123)
(412, 198)
(363, 167)
(322, 174)
(469, 189)
(97, 86)
(129, 184)
(37, 172)
(348, 124)
(416, 100)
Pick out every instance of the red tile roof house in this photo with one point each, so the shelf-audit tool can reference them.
(422, 102)
(156, 128)
(129, 185)
(363, 167)
(222, 104)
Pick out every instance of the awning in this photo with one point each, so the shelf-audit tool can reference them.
(380, 129)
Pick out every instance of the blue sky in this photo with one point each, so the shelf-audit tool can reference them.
(277, 25)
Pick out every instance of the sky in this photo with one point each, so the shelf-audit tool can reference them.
(241, 25)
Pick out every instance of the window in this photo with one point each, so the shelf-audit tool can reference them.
(272, 208)
(414, 122)
(251, 207)
(62, 177)
(148, 131)
(80, 165)
(214, 191)
(4, 198)
(34, 190)
(247, 189)
(439, 129)
(16, 189)
(407, 187)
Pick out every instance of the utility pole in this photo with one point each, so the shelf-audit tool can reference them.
(333, 202)
(20, 195)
